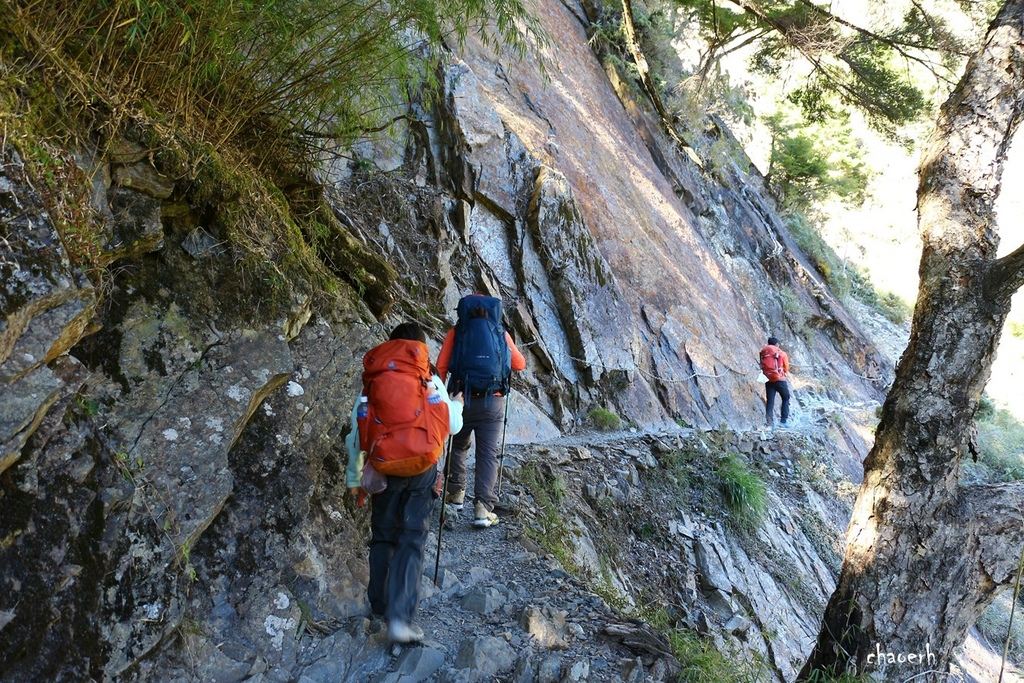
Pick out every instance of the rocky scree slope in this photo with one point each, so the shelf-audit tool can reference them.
(529, 600)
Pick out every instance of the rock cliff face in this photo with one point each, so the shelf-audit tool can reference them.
(664, 275)
(170, 459)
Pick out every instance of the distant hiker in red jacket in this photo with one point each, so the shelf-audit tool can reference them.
(775, 367)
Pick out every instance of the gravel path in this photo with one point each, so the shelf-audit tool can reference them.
(504, 610)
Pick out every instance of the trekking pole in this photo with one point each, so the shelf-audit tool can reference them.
(444, 505)
(504, 430)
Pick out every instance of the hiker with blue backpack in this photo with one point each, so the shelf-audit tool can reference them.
(399, 426)
(775, 368)
(478, 356)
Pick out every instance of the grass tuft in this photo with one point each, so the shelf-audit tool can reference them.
(604, 420)
(745, 492)
(996, 626)
(261, 77)
(702, 663)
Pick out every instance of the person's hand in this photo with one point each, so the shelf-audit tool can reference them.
(354, 491)
(459, 397)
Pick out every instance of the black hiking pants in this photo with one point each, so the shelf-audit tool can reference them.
(782, 389)
(399, 523)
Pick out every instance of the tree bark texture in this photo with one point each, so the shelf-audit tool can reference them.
(926, 554)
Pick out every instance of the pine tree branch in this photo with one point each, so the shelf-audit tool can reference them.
(897, 45)
(796, 42)
(1006, 275)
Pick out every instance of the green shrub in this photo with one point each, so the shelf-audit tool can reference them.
(820, 253)
(795, 311)
(745, 492)
(1000, 444)
(895, 308)
(702, 663)
(986, 409)
(604, 420)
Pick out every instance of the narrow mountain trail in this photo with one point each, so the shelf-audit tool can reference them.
(505, 610)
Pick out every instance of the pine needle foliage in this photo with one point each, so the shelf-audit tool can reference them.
(882, 67)
(811, 163)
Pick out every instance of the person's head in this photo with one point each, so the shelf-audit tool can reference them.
(773, 341)
(410, 331)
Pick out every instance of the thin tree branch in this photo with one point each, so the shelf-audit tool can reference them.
(1006, 275)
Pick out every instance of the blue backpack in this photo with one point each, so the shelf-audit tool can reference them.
(481, 362)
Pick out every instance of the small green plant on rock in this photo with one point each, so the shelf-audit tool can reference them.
(549, 528)
(86, 406)
(745, 492)
(604, 420)
(604, 586)
(702, 663)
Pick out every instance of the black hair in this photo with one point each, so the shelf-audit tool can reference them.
(410, 331)
(773, 341)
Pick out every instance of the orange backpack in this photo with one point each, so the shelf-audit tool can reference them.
(771, 363)
(406, 420)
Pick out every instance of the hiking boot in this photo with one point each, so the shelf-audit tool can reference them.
(456, 499)
(483, 517)
(403, 632)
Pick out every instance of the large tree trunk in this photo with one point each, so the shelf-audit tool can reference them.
(926, 555)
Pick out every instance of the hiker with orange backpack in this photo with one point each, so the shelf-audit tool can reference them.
(775, 368)
(399, 427)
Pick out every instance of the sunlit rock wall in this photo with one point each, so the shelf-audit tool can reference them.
(640, 281)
